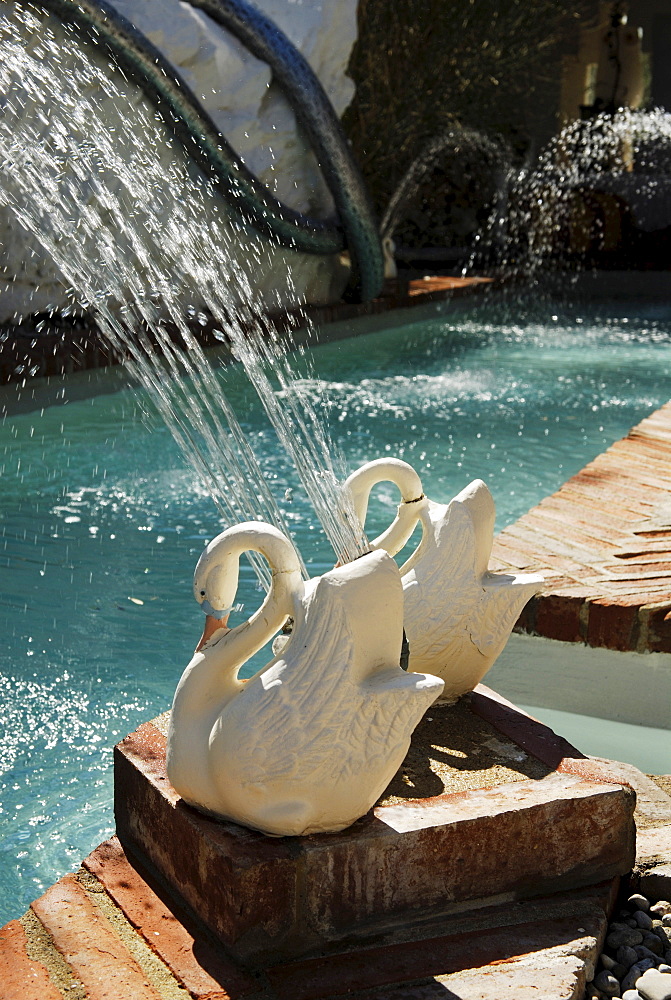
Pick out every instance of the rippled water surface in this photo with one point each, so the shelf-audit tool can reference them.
(101, 524)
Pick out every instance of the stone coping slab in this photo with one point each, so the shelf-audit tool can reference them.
(603, 544)
(397, 870)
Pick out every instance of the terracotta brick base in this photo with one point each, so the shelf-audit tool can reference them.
(117, 936)
(400, 868)
(118, 929)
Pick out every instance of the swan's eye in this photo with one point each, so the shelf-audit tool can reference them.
(202, 593)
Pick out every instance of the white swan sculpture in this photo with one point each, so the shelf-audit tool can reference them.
(309, 743)
(458, 616)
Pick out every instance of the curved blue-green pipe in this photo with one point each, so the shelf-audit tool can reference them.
(132, 51)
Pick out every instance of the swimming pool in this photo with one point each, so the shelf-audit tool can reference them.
(101, 523)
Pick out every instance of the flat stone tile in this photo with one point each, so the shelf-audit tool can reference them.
(548, 979)
(655, 883)
(654, 845)
(22, 978)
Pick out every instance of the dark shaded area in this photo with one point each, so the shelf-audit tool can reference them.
(453, 749)
(421, 69)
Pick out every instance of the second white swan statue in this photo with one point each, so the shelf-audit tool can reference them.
(309, 743)
(458, 616)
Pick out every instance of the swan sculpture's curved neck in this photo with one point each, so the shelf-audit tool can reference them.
(210, 681)
(216, 581)
(413, 501)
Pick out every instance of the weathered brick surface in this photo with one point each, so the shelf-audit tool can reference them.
(558, 616)
(655, 626)
(89, 945)
(200, 967)
(612, 623)
(266, 898)
(603, 543)
(241, 884)
(531, 735)
(22, 978)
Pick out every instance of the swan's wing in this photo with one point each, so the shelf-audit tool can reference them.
(312, 713)
(442, 588)
(448, 603)
(499, 607)
(291, 710)
(392, 703)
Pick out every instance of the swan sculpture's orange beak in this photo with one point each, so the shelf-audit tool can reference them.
(211, 626)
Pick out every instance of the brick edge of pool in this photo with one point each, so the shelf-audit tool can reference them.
(57, 347)
(603, 543)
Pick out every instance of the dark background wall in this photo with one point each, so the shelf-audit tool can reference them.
(490, 65)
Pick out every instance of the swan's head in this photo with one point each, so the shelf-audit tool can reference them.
(215, 581)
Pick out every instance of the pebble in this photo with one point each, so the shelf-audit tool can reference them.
(652, 943)
(607, 983)
(636, 961)
(632, 977)
(654, 985)
(627, 956)
(642, 951)
(623, 935)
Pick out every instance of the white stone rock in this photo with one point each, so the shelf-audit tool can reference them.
(654, 985)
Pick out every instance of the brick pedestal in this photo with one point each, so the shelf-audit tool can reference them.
(400, 869)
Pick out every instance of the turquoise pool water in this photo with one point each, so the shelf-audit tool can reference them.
(101, 524)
